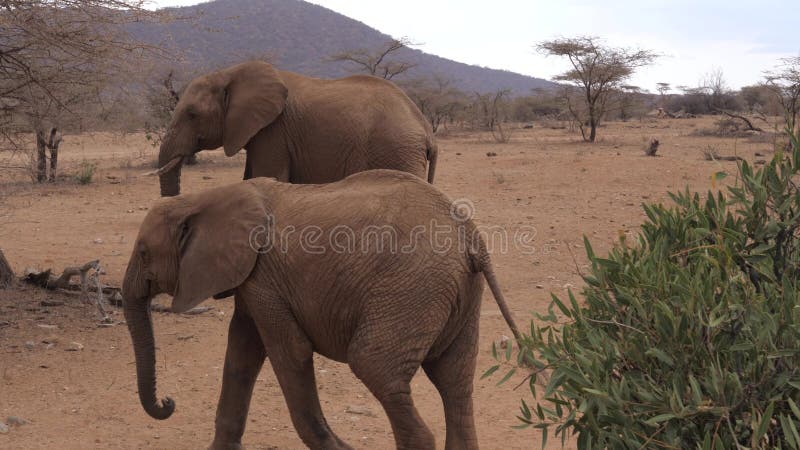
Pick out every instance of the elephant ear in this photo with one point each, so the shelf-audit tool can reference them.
(254, 97)
(214, 251)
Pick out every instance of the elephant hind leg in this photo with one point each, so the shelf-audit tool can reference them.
(452, 373)
(292, 357)
(385, 353)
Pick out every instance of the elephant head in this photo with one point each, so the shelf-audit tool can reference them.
(224, 108)
(191, 247)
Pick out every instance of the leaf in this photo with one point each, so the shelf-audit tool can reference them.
(507, 376)
(661, 356)
(763, 424)
(660, 418)
(490, 371)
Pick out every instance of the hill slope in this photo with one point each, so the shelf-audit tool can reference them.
(300, 36)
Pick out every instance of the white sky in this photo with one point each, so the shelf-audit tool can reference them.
(743, 38)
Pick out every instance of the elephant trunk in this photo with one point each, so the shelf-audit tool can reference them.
(137, 315)
(170, 182)
(169, 174)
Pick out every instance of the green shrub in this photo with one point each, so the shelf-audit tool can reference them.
(85, 172)
(688, 338)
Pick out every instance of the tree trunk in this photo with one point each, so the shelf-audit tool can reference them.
(52, 143)
(41, 157)
(593, 130)
(6, 274)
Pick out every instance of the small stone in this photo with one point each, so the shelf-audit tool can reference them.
(50, 339)
(14, 421)
(74, 347)
(30, 345)
(47, 326)
(206, 177)
(3, 428)
(359, 410)
(491, 154)
(539, 286)
(98, 241)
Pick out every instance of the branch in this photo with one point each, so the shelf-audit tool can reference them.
(750, 126)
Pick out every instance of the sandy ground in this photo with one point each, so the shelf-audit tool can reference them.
(545, 178)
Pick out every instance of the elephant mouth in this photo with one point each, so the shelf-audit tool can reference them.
(167, 167)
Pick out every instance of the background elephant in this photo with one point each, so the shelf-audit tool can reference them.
(295, 128)
(383, 306)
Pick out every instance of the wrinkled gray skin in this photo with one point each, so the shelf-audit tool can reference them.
(384, 312)
(295, 128)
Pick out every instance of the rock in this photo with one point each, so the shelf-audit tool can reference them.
(52, 339)
(360, 410)
(491, 154)
(14, 421)
(74, 347)
(504, 341)
(30, 345)
(47, 326)
(539, 286)
(98, 241)
(3, 428)
(206, 177)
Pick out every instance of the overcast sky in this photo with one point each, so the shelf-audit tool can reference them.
(743, 38)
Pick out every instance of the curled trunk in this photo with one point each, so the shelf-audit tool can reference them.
(140, 325)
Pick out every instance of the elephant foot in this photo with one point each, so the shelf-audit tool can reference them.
(225, 446)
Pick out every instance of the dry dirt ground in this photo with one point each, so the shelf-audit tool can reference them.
(545, 178)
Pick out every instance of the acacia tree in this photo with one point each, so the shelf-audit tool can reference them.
(663, 89)
(53, 52)
(784, 83)
(597, 71)
(56, 58)
(380, 62)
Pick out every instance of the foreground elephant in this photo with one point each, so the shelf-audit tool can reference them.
(295, 128)
(374, 270)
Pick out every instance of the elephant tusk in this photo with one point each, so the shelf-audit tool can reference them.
(167, 167)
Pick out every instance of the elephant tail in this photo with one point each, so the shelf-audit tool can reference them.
(432, 154)
(482, 263)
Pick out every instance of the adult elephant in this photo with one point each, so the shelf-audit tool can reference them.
(295, 128)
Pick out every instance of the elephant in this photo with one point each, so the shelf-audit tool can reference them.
(378, 271)
(296, 128)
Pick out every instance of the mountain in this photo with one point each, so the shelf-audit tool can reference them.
(299, 36)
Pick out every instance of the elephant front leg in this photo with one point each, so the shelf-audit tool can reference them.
(243, 360)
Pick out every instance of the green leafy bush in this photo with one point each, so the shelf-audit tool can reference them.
(687, 338)
(85, 172)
